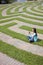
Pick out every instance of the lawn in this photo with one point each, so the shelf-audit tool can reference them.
(10, 50)
(22, 56)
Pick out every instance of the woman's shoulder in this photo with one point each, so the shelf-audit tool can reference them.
(35, 34)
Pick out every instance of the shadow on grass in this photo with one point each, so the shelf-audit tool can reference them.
(38, 40)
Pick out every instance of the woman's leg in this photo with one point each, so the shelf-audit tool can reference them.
(30, 38)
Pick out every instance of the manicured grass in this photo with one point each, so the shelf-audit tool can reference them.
(31, 13)
(20, 55)
(22, 20)
(31, 17)
(13, 34)
(5, 29)
(1, 13)
(13, 52)
(3, 17)
(37, 11)
(8, 11)
(7, 20)
(40, 7)
(4, 7)
(30, 22)
(30, 29)
(7, 25)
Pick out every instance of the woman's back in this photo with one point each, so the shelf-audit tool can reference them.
(35, 37)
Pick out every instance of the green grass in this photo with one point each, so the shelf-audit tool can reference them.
(31, 13)
(22, 37)
(40, 7)
(7, 20)
(7, 25)
(22, 20)
(28, 21)
(3, 17)
(20, 55)
(37, 11)
(38, 30)
(8, 12)
(30, 29)
(5, 29)
(16, 35)
(15, 53)
(3, 7)
(41, 19)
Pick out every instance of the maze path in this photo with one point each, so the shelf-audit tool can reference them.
(35, 49)
(33, 11)
(4, 12)
(30, 19)
(29, 10)
(19, 23)
(5, 60)
(11, 10)
(32, 15)
(16, 28)
(6, 18)
(38, 10)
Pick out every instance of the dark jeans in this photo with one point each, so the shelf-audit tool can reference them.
(30, 39)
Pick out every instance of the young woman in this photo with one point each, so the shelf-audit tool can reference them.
(33, 36)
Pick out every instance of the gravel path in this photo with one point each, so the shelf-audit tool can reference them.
(32, 15)
(30, 19)
(33, 11)
(16, 28)
(36, 8)
(35, 49)
(13, 10)
(8, 18)
(5, 60)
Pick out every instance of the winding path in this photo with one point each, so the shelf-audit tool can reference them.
(34, 49)
(5, 60)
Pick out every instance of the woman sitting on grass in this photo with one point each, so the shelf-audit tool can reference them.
(33, 36)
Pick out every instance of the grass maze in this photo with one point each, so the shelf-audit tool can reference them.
(16, 20)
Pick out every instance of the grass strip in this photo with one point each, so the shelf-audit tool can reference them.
(7, 20)
(20, 55)
(16, 35)
(31, 13)
(30, 29)
(30, 22)
(38, 11)
(41, 19)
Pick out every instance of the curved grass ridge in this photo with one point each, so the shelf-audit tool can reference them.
(29, 12)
